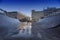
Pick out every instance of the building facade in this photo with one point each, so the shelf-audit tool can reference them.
(51, 12)
(12, 14)
(36, 15)
(2, 12)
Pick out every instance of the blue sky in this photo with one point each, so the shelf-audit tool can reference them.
(25, 6)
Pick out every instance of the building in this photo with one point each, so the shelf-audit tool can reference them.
(51, 11)
(36, 15)
(2, 12)
(12, 14)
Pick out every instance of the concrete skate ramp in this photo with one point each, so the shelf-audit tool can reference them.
(49, 22)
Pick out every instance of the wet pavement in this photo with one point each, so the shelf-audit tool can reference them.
(25, 30)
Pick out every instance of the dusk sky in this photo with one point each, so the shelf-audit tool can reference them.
(25, 6)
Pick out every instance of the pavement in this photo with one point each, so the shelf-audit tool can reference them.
(51, 33)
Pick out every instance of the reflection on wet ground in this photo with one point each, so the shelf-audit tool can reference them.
(25, 30)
